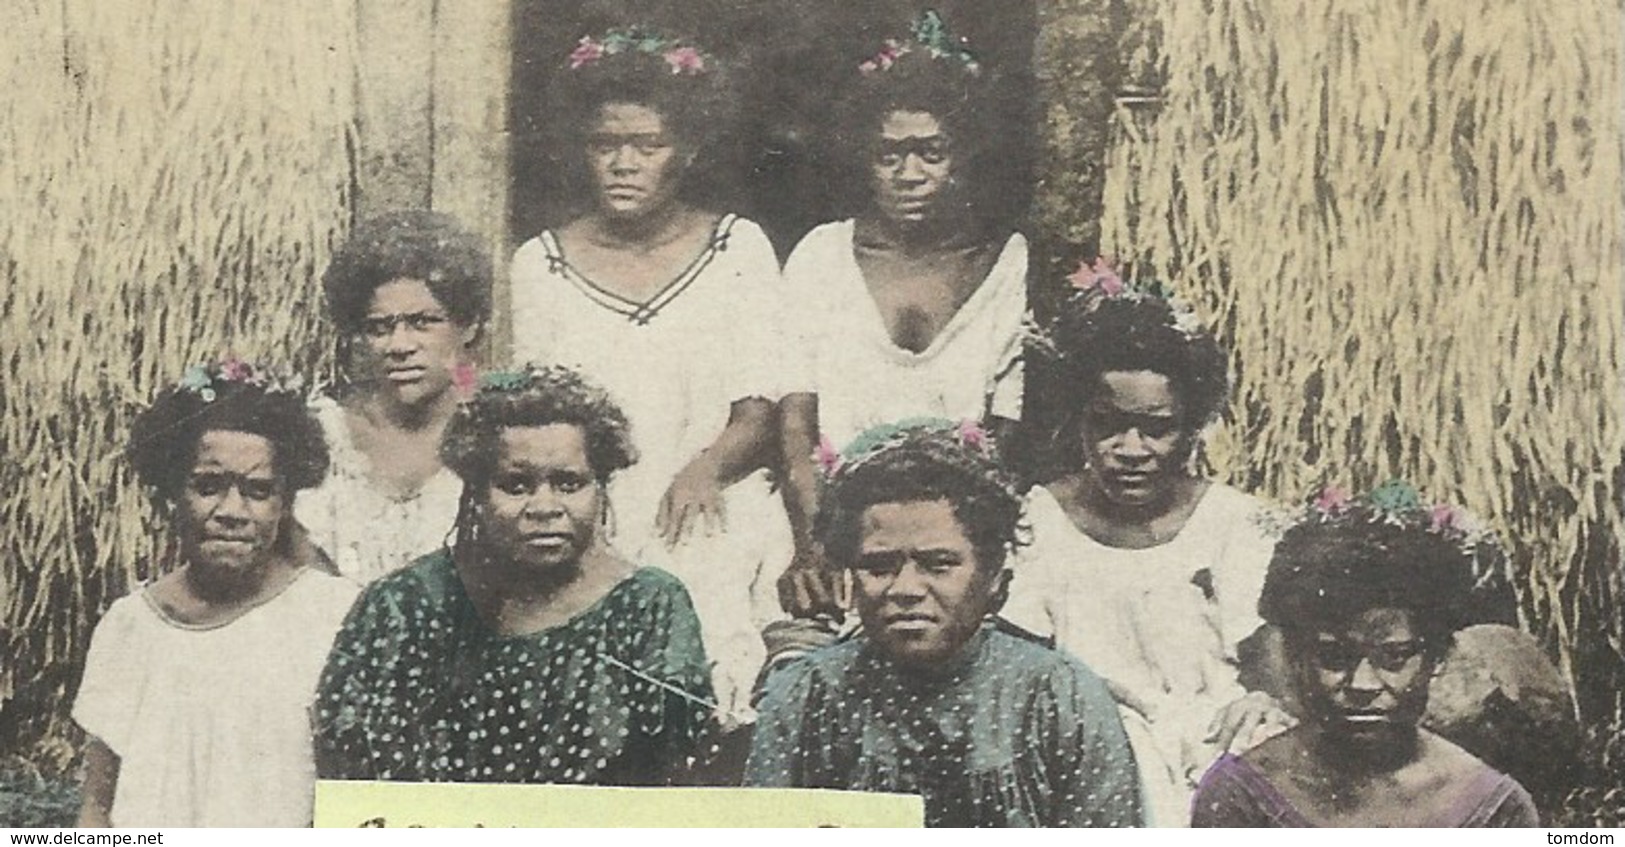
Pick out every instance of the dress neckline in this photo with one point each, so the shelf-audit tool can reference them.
(170, 621)
(1203, 503)
(639, 312)
(985, 290)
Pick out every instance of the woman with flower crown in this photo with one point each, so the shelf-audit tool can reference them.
(672, 308)
(914, 306)
(410, 293)
(1368, 594)
(1141, 567)
(197, 687)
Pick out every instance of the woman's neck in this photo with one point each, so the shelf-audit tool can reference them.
(877, 232)
(384, 411)
(1130, 526)
(659, 228)
(516, 602)
(205, 596)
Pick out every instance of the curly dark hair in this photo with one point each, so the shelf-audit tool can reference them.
(1092, 337)
(164, 436)
(535, 396)
(919, 464)
(1329, 570)
(410, 244)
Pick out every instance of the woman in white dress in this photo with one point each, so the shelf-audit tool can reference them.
(197, 688)
(1145, 570)
(410, 293)
(913, 307)
(671, 307)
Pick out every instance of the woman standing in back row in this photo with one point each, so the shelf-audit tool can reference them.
(913, 307)
(671, 308)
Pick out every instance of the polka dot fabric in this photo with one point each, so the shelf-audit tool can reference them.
(418, 689)
(1011, 733)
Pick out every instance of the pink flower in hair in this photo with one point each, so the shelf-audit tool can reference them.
(587, 51)
(236, 370)
(685, 60)
(829, 459)
(1331, 501)
(972, 435)
(1100, 276)
(464, 379)
(889, 53)
(1447, 520)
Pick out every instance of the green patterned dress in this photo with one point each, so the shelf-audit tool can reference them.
(419, 689)
(1008, 733)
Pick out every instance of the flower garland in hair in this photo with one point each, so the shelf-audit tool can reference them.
(1098, 281)
(876, 440)
(684, 59)
(928, 33)
(1398, 503)
(206, 380)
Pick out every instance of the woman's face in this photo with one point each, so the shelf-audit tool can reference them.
(542, 506)
(917, 582)
(409, 344)
(636, 163)
(912, 169)
(232, 505)
(1364, 683)
(1135, 438)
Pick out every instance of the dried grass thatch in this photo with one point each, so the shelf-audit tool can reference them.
(174, 177)
(1404, 217)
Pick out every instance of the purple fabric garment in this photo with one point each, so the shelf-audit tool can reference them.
(1234, 793)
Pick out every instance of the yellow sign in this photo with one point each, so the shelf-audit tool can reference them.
(407, 804)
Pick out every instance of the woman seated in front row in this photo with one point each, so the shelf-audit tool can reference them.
(197, 688)
(531, 651)
(1368, 594)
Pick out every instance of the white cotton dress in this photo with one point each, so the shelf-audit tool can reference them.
(972, 368)
(675, 364)
(1161, 625)
(211, 724)
(369, 532)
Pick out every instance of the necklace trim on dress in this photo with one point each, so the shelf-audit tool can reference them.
(639, 312)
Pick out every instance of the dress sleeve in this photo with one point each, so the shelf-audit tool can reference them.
(676, 657)
(799, 330)
(528, 278)
(752, 315)
(1011, 316)
(357, 705)
(112, 676)
(778, 758)
(1223, 799)
(1238, 578)
(1097, 782)
(1516, 808)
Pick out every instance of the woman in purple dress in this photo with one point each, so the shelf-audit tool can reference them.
(1368, 594)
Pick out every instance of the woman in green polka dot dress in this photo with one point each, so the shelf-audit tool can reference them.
(530, 651)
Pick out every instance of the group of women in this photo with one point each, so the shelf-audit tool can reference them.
(565, 569)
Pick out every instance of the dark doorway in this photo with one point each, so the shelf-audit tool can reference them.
(789, 61)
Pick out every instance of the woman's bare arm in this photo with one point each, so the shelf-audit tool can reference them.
(101, 778)
(695, 495)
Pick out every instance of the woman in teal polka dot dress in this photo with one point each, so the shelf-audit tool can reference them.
(530, 651)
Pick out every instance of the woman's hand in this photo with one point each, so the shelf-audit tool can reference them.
(1247, 721)
(809, 588)
(694, 498)
(101, 781)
